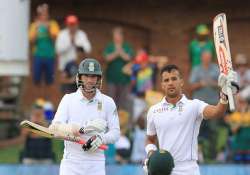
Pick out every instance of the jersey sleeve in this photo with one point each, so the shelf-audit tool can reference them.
(32, 31)
(84, 42)
(62, 110)
(150, 123)
(54, 28)
(62, 44)
(200, 108)
(113, 133)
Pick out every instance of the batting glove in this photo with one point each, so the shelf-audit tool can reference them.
(94, 126)
(93, 143)
(228, 81)
(145, 166)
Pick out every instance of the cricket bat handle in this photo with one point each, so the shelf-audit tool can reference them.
(79, 141)
(230, 99)
(102, 147)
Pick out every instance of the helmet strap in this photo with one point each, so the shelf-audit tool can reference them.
(89, 91)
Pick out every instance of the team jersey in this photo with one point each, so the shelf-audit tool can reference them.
(75, 108)
(177, 126)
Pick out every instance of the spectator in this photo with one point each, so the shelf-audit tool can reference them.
(68, 76)
(142, 80)
(199, 43)
(43, 32)
(203, 80)
(203, 84)
(69, 39)
(117, 54)
(242, 70)
(239, 122)
(37, 149)
(243, 75)
(139, 139)
(123, 145)
(142, 74)
(245, 93)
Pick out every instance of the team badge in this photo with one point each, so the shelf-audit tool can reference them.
(171, 107)
(99, 106)
(91, 67)
(181, 107)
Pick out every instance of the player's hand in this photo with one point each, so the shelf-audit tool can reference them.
(93, 143)
(145, 166)
(94, 126)
(230, 80)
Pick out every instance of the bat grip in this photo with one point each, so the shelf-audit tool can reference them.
(102, 147)
(230, 98)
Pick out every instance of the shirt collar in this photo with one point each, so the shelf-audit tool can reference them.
(182, 101)
(80, 96)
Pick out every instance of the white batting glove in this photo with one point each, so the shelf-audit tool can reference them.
(230, 80)
(94, 126)
(93, 143)
(145, 166)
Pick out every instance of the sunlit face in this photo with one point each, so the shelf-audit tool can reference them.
(118, 36)
(73, 27)
(43, 12)
(89, 81)
(206, 57)
(172, 83)
(37, 115)
(202, 37)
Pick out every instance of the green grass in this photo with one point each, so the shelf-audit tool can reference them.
(58, 150)
(11, 154)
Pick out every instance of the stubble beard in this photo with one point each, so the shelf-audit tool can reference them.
(172, 95)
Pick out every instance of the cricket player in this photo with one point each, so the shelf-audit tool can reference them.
(90, 114)
(175, 121)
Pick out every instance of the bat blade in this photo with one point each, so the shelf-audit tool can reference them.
(37, 129)
(45, 132)
(223, 51)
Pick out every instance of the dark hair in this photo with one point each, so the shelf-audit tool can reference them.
(169, 68)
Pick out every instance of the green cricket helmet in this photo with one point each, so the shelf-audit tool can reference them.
(89, 66)
(160, 162)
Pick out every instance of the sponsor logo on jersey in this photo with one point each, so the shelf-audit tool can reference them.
(169, 107)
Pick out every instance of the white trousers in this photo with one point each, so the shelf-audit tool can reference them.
(186, 168)
(80, 167)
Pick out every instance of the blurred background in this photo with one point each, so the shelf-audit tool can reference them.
(41, 43)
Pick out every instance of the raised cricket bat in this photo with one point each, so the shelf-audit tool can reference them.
(223, 51)
(45, 132)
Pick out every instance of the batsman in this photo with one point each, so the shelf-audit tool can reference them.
(173, 124)
(90, 114)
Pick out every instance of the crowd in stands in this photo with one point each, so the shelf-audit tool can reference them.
(131, 77)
